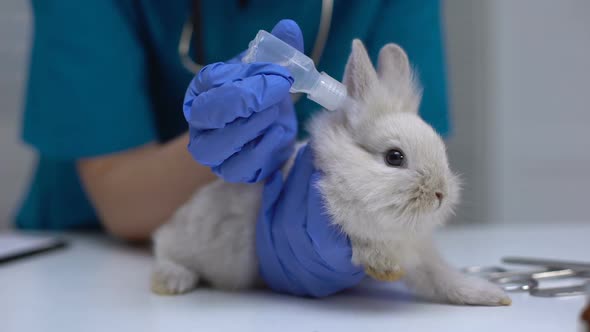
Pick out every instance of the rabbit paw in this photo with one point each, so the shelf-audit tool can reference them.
(389, 275)
(475, 291)
(170, 278)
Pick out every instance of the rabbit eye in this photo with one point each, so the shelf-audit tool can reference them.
(395, 158)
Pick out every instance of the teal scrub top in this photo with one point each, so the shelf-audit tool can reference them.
(105, 76)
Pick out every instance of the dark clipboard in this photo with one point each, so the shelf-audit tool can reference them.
(14, 246)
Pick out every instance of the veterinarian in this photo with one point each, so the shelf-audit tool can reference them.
(104, 113)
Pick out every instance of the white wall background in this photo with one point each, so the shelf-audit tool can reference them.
(15, 159)
(520, 79)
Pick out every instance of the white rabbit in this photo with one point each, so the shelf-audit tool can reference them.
(386, 183)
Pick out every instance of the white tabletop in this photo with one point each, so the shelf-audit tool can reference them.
(100, 285)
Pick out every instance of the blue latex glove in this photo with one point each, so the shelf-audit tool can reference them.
(299, 250)
(241, 117)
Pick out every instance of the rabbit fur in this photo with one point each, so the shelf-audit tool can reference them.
(389, 213)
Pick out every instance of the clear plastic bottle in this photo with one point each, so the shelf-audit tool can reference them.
(319, 87)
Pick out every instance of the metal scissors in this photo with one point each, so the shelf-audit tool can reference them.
(528, 280)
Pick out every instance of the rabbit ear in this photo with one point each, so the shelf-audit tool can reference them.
(359, 75)
(393, 65)
(395, 73)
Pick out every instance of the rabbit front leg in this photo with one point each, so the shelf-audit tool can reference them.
(377, 260)
(429, 275)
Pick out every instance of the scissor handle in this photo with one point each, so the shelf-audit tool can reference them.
(483, 270)
(549, 263)
(559, 291)
(516, 283)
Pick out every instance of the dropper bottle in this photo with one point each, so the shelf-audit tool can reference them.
(319, 87)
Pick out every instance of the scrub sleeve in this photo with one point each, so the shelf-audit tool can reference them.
(87, 95)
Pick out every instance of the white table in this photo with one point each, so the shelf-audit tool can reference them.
(100, 285)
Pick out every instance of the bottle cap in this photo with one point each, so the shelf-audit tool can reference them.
(328, 92)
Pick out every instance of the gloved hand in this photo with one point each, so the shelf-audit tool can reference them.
(299, 250)
(241, 118)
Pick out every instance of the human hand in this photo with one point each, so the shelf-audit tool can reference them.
(300, 251)
(241, 117)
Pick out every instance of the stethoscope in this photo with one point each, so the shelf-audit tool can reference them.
(188, 30)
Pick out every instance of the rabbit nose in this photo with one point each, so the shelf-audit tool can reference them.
(439, 195)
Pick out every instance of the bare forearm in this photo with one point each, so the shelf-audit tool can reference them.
(136, 191)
